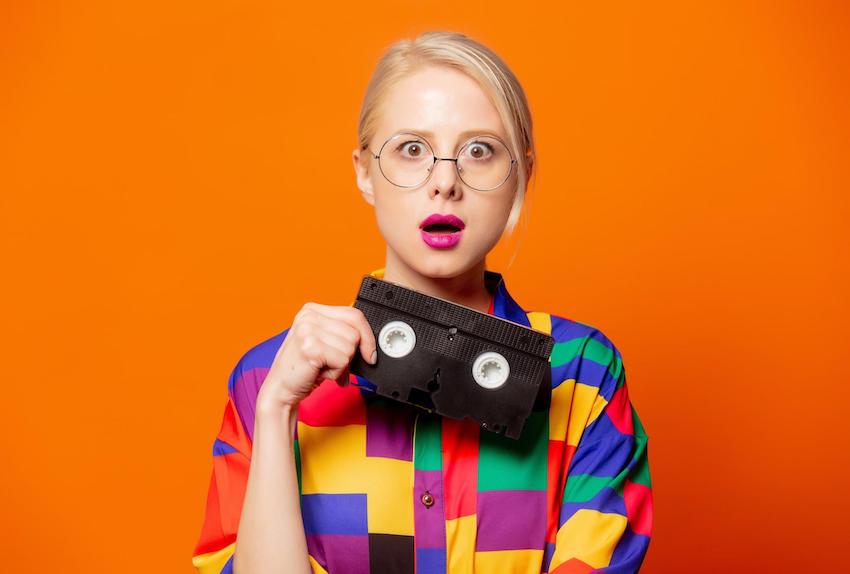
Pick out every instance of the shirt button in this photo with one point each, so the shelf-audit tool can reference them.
(427, 500)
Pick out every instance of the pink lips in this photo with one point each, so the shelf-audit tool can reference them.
(442, 238)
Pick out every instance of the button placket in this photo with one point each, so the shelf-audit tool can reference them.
(427, 492)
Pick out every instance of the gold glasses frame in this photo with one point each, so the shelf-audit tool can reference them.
(436, 159)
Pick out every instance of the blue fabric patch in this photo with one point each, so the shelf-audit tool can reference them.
(220, 447)
(334, 513)
(430, 561)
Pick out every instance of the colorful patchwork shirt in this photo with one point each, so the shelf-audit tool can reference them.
(389, 488)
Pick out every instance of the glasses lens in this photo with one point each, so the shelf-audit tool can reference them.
(484, 163)
(405, 159)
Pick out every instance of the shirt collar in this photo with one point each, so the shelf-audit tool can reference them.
(504, 305)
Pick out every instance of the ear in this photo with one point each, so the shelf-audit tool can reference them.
(361, 170)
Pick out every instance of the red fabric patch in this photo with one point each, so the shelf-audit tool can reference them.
(554, 492)
(560, 456)
(330, 405)
(232, 432)
(227, 486)
(638, 499)
(619, 410)
(573, 566)
(460, 466)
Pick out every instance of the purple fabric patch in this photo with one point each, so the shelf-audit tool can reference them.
(245, 391)
(389, 430)
(340, 552)
(511, 520)
(429, 522)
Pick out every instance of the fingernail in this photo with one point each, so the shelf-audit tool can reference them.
(374, 358)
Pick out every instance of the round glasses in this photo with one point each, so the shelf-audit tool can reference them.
(407, 159)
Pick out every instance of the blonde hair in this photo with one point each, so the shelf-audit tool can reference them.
(462, 53)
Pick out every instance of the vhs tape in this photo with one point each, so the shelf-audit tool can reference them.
(453, 360)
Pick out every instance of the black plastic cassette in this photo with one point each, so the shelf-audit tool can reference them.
(454, 360)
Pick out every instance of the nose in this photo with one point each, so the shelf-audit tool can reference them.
(444, 178)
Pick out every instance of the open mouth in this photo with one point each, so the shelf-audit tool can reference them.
(442, 231)
(441, 228)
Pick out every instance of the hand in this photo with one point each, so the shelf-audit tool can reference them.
(319, 345)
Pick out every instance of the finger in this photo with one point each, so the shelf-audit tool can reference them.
(326, 358)
(324, 324)
(338, 353)
(354, 317)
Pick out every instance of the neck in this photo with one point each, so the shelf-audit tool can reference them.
(467, 289)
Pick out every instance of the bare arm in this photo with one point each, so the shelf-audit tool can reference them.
(271, 533)
(319, 346)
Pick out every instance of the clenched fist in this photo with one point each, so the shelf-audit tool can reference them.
(319, 345)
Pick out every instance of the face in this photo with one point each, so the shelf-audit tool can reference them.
(439, 103)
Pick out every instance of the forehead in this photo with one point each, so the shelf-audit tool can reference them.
(440, 102)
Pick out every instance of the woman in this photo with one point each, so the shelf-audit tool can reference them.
(312, 473)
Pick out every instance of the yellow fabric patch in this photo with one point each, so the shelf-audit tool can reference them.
(332, 459)
(317, 568)
(590, 536)
(596, 409)
(460, 544)
(390, 481)
(559, 410)
(509, 561)
(580, 409)
(540, 321)
(213, 562)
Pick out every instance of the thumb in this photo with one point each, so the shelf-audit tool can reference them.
(342, 379)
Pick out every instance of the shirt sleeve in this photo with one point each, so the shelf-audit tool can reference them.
(605, 519)
(231, 460)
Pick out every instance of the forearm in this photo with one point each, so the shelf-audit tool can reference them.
(271, 532)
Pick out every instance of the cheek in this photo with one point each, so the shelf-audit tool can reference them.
(490, 220)
(393, 210)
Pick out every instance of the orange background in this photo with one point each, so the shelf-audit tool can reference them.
(176, 182)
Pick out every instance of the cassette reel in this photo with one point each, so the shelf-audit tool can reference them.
(453, 360)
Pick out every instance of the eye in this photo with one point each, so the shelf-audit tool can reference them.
(412, 149)
(479, 150)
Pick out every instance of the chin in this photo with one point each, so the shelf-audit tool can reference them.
(442, 265)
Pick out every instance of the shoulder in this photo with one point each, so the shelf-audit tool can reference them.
(588, 384)
(248, 375)
(582, 353)
(257, 359)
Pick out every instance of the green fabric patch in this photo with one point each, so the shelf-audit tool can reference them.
(637, 424)
(640, 472)
(508, 464)
(428, 442)
(583, 487)
(565, 351)
(298, 463)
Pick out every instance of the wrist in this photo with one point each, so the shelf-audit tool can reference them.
(276, 419)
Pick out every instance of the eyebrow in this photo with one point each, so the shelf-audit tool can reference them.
(463, 135)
